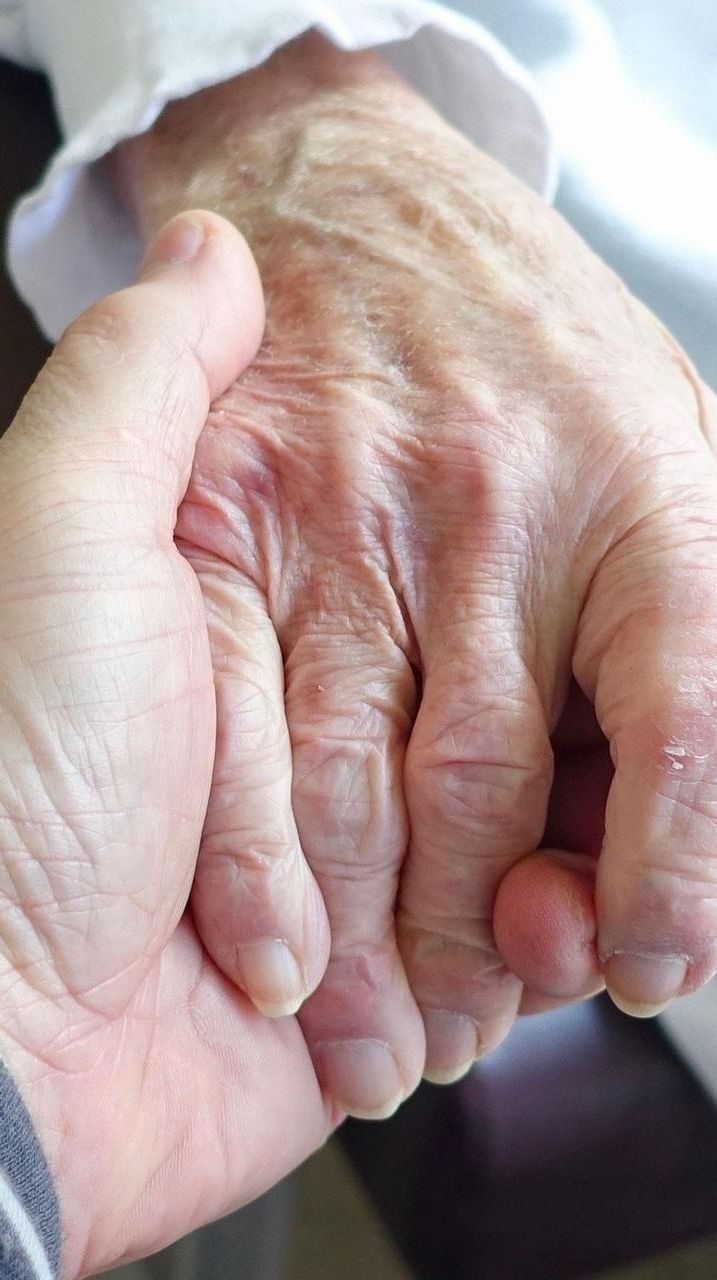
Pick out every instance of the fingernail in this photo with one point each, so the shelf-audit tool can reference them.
(362, 1076)
(179, 241)
(641, 984)
(271, 977)
(452, 1045)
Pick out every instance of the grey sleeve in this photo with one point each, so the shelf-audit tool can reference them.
(29, 1212)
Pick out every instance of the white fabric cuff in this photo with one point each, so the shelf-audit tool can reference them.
(115, 64)
(14, 34)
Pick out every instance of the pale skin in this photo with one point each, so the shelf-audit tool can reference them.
(450, 535)
(455, 532)
(161, 1097)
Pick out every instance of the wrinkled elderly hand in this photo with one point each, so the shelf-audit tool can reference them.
(462, 503)
(161, 1097)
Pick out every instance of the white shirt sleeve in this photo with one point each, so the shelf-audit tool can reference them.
(115, 64)
(14, 42)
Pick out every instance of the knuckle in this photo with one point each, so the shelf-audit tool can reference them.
(484, 793)
(325, 762)
(347, 775)
(425, 934)
(373, 880)
(228, 853)
(491, 768)
(98, 338)
(348, 802)
(336, 694)
(652, 609)
(462, 960)
(680, 520)
(362, 964)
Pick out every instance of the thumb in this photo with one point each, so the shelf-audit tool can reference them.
(118, 408)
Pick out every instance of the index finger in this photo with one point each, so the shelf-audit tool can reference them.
(648, 653)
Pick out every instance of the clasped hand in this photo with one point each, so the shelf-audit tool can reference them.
(412, 698)
(455, 532)
(161, 1097)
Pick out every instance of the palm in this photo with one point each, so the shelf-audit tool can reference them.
(210, 1104)
(112, 717)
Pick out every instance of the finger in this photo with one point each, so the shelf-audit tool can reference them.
(119, 405)
(349, 707)
(544, 919)
(108, 705)
(478, 774)
(546, 928)
(647, 653)
(256, 904)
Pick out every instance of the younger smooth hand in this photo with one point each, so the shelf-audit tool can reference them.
(161, 1097)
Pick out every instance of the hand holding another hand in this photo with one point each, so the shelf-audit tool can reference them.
(447, 578)
(161, 1097)
(464, 504)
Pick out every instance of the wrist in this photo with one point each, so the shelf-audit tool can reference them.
(232, 146)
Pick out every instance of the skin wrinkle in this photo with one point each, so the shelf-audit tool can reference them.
(464, 935)
(66, 829)
(151, 1046)
(458, 422)
(258, 854)
(18, 943)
